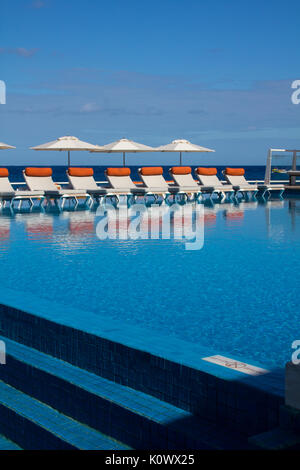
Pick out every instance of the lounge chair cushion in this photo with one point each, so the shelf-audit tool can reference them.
(235, 176)
(5, 186)
(235, 171)
(209, 179)
(160, 190)
(118, 171)
(3, 172)
(127, 190)
(119, 180)
(96, 191)
(151, 170)
(38, 171)
(82, 178)
(81, 171)
(206, 171)
(181, 170)
(65, 192)
(184, 180)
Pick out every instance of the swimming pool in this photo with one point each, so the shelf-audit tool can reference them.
(238, 295)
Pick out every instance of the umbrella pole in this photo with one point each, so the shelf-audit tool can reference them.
(180, 158)
(68, 158)
(123, 158)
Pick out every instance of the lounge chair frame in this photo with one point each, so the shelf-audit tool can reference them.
(53, 193)
(8, 194)
(212, 185)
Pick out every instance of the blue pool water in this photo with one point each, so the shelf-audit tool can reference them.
(238, 295)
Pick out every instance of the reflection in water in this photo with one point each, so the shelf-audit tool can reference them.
(275, 229)
(210, 218)
(80, 223)
(233, 216)
(4, 229)
(152, 222)
(4, 235)
(234, 213)
(38, 226)
(155, 221)
(294, 211)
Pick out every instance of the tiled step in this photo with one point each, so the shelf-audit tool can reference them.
(6, 444)
(131, 416)
(34, 425)
(278, 439)
(172, 371)
(284, 437)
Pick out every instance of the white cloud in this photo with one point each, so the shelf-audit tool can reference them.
(20, 51)
(90, 108)
(37, 4)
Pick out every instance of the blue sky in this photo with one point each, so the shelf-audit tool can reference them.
(216, 73)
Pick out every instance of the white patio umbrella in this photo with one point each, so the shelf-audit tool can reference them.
(124, 146)
(67, 143)
(181, 145)
(6, 146)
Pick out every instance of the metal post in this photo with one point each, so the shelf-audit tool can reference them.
(294, 168)
(180, 158)
(123, 158)
(294, 164)
(268, 167)
(68, 158)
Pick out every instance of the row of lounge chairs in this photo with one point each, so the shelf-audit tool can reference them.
(82, 184)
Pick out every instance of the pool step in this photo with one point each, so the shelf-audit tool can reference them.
(284, 437)
(130, 416)
(34, 425)
(278, 439)
(6, 444)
